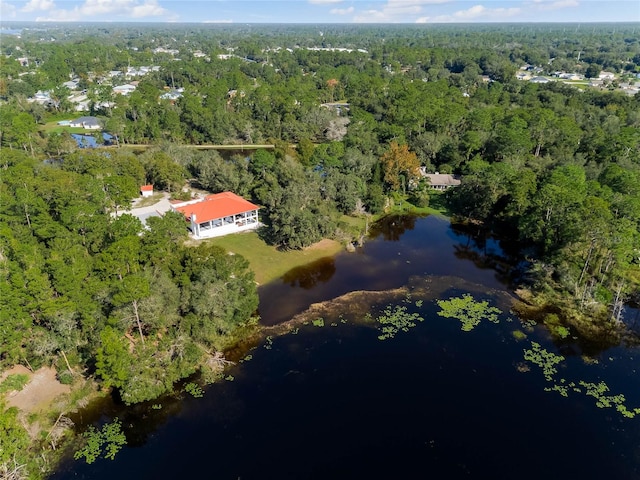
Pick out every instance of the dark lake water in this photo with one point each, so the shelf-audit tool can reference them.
(434, 402)
(399, 248)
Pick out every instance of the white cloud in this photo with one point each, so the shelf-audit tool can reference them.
(109, 10)
(217, 21)
(396, 10)
(342, 11)
(7, 10)
(38, 5)
(324, 2)
(473, 13)
(554, 4)
(148, 9)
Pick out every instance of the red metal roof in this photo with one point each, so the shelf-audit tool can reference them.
(146, 188)
(216, 206)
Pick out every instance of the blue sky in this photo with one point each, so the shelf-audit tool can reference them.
(321, 11)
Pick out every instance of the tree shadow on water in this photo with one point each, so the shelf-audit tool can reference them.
(392, 227)
(308, 276)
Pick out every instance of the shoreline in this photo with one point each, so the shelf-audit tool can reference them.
(354, 304)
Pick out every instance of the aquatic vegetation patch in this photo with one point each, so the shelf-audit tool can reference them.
(518, 335)
(561, 331)
(469, 311)
(106, 442)
(318, 322)
(546, 360)
(604, 400)
(396, 318)
(194, 390)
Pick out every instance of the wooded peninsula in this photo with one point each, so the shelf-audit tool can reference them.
(538, 124)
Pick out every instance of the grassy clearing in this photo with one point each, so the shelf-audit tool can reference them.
(148, 201)
(437, 206)
(269, 263)
(53, 127)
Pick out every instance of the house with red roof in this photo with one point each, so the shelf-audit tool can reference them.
(146, 190)
(219, 214)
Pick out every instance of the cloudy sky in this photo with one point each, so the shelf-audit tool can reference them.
(321, 11)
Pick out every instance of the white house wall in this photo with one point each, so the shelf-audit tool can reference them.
(226, 230)
(232, 224)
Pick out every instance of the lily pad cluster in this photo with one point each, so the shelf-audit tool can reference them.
(396, 318)
(469, 311)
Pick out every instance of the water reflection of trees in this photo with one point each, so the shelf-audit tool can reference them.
(308, 276)
(139, 421)
(392, 227)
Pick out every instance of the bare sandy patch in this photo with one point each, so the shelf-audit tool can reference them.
(43, 388)
(325, 244)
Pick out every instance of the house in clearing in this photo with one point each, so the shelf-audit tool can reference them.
(440, 181)
(219, 214)
(124, 89)
(88, 123)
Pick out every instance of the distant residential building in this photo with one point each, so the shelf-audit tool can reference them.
(71, 84)
(77, 97)
(440, 181)
(336, 106)
(125, 89)
(88, 123)
(170, 51)
(606, 76)
(81, 106)
(539, 80)
(570, 76)
(42, 97)
(172, 95)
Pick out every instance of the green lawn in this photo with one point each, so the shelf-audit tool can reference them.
(437, 206)
(266, 261)
(53, 127)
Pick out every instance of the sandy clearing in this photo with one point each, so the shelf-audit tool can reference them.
(324, 244)
(43, 388)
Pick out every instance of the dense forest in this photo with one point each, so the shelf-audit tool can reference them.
(553, 166)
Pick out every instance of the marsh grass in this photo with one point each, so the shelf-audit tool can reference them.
(14, 382)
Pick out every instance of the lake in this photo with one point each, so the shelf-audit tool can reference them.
(334, 401)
